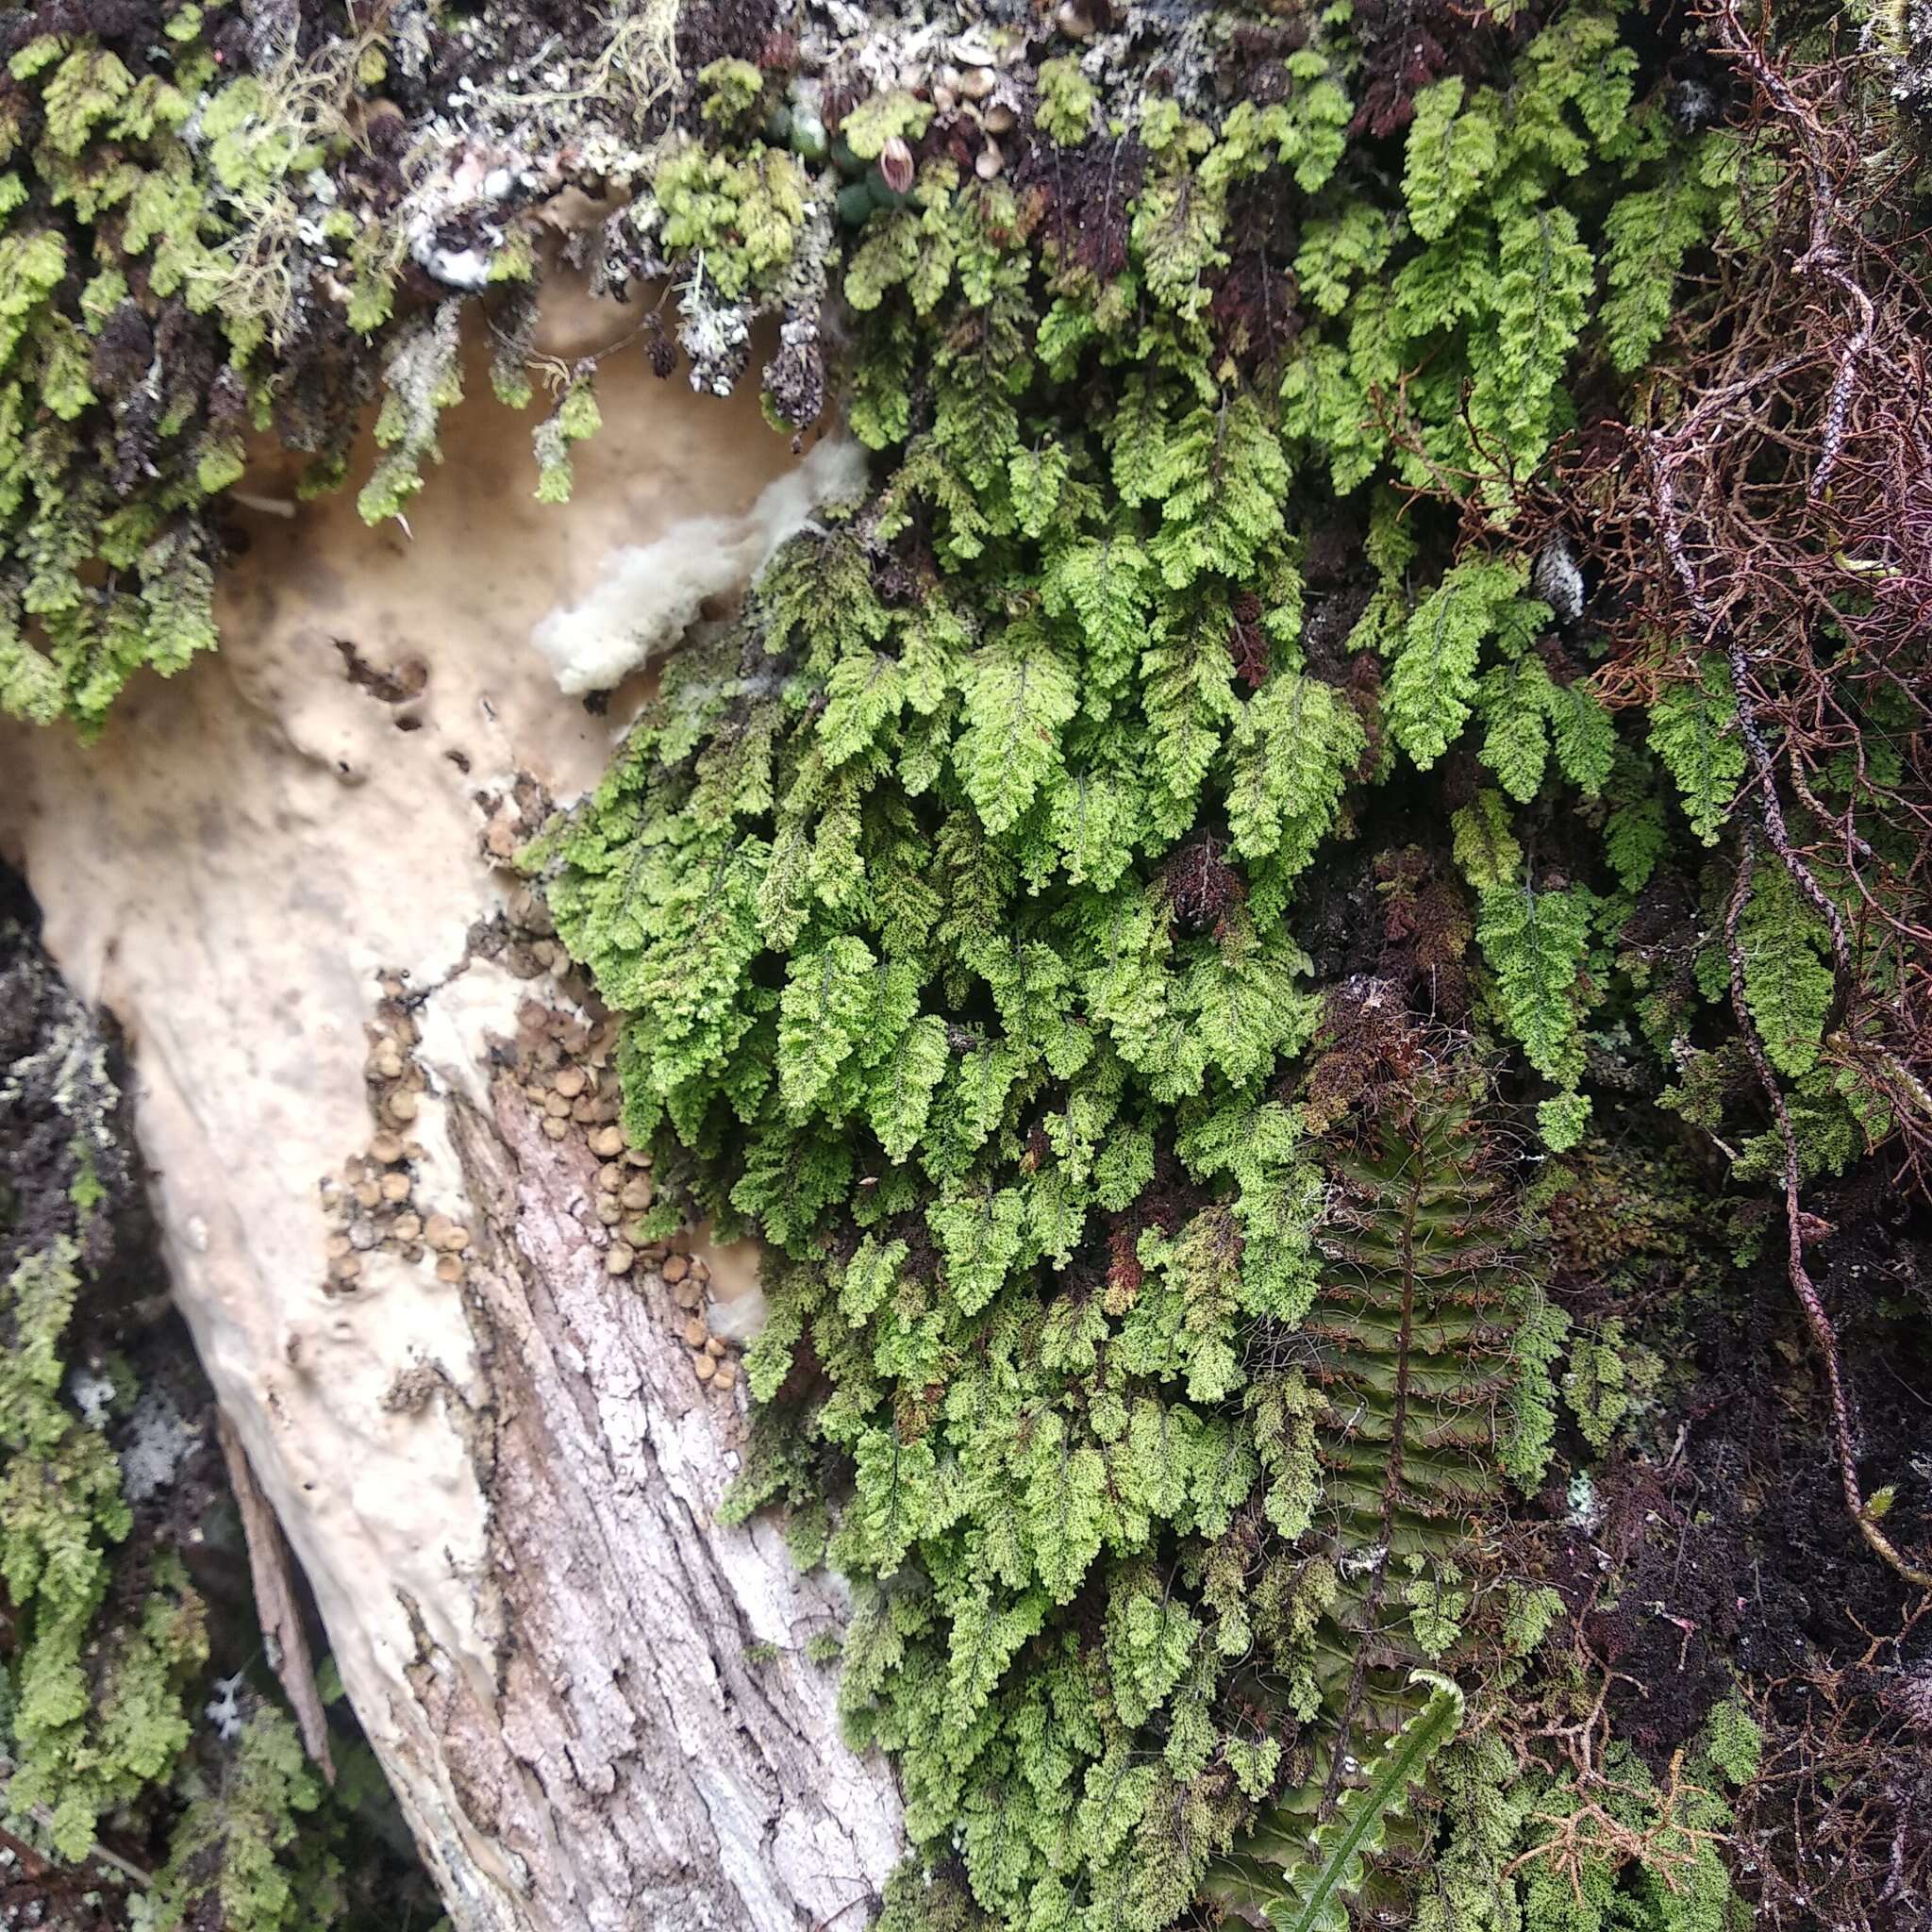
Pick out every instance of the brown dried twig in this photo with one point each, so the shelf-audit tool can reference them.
(1780, 517)
(1797, 1223)
(1591, 1833)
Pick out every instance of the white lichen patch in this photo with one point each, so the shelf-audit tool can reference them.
(91, 1391)
(159, 1439)
(1584, 1505)
(76, 1057)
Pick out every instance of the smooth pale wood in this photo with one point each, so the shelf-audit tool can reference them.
(541, 1627)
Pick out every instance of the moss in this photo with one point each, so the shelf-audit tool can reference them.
(90, 1725)
(1015, 799)
(1607, 1378)
(201, 230)
(249, 1854)
(731, 89)
(94, 1674)
(1537, 1850)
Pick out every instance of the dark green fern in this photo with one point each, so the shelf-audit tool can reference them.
(1303, 1884)
(1420, 1365)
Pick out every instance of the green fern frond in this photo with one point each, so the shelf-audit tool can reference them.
(1270, 1880)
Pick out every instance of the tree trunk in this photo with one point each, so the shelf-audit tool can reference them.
(486, 1439)
(634, 1763)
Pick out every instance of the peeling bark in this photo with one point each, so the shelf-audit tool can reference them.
(282, 1635)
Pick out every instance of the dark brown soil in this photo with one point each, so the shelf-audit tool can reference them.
(1724, 1553)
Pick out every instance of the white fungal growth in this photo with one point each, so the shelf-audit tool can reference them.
(93, 1395)
(455, 268)
(648, 595)
(159, 1439)
(223, 1709)
(737, 1318)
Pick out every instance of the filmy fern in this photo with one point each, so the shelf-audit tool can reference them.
(953, 900)
(971, 902)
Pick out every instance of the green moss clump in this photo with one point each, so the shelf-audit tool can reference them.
(149, 219)
(1102, 915)
(250, 1855)
(93, 1718)
(207, 236)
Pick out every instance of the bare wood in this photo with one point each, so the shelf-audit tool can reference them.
(282, 1634)
(501, 1490)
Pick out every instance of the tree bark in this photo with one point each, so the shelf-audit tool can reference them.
(637, 1763)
